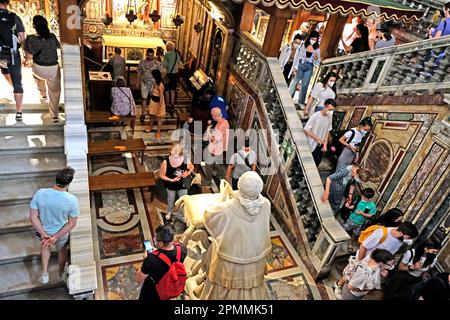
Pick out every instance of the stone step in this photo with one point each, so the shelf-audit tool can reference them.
(23, 142)
(30, 165)
(22, 190)
(18, 246)
(30, 120)
(15, 218)
(27, 107)
(58, 293)
(23, 277)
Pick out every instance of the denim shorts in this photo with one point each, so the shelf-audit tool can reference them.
(15, 71)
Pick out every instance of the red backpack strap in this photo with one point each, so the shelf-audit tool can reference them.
(178, 252)
(163, 257)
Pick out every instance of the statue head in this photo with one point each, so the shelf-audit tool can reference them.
(250, 185)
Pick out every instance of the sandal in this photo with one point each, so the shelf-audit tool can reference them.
(148, 130)
(142, 118)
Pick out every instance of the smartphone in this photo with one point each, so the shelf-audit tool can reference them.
(148, 246)
(367, 210)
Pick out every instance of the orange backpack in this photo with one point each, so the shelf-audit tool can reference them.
(366, 233)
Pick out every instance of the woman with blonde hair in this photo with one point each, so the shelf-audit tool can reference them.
(173, 170)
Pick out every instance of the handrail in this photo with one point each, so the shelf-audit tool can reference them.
(82, 271)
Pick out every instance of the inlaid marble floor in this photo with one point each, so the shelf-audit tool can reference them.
(124, 218)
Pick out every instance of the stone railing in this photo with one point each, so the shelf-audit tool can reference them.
(302, 185)
(420, 28)
(82, 270)
(417, 67)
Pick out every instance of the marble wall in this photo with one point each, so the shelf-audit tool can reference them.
(409, 163)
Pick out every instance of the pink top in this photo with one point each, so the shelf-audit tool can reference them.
(221, 136)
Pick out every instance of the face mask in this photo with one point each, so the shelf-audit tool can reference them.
(388, 267)
(312, 42)
(363, 131)
(330, 113)
(408, 241)
(295, 45)
(331, 83)
(430, 256)
(245, 152)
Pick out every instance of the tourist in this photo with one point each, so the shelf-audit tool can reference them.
(118, 64)
(154, 267)
(443, 29)
(303, 31)
(171, 61)
(53, 214)
(317, 130)
(241, 162)
(390, 239)
(43, 48)
(303, 65)
(190, 66)
(145, 79)
(363, 209)
(160, 54)
(367, 275)
(322, 91)
(435, 289)
(392, 218)
(219, 102)
(157, 107)
(340, 185)
(122, 99)
(287, 55)
(386, 40)
(361, 41)
(173, 169)
(200, 112)
(351, 141)
(348, 35)
(12, 29)
(214, 154)
(412, 269)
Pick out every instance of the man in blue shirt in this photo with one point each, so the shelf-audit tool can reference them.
(444, 27)
(53, 214)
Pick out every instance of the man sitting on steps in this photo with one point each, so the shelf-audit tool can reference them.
(53, 213)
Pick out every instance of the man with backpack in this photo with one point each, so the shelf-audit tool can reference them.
(240, 163)
(162, 273)
(378, 237)
(350, 143)
(12, 34)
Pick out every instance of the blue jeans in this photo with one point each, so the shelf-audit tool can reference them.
(304, 74)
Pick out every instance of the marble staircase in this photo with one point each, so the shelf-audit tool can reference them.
(31, 153)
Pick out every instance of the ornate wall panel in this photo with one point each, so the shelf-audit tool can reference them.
(236, 100)
(356, 117)
(26, 10)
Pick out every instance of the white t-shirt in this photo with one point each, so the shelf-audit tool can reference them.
(365, 278)
(390, 244)
(406, 259)
(318, 125)
(357, 138)
(320, 93)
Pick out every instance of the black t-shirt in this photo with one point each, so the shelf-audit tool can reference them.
(44, 51)
(170, 173)
(156, 268)
(359, 45)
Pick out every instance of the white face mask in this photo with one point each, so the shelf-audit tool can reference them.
(331, 83)
(330, 113)
(295, 45)
(408, 241)
(363, 131)
(312, 42)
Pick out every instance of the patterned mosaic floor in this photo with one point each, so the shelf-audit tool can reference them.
(124, 218)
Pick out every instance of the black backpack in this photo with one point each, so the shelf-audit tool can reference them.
(7, 33)
(339, 146)
(416, 290)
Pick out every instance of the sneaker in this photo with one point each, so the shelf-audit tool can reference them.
(44, 278)
(19, 116)
(43, 99)
(55, 119)
(337, 289)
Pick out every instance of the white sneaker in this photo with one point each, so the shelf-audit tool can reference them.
(44, 278)
(63, 277)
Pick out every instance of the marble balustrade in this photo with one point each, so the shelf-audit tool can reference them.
(302, 186)
(82, 271)
(412, 68)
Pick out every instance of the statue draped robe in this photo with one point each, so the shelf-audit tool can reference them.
(237, 256)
